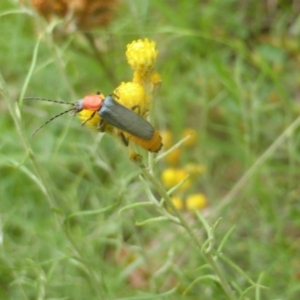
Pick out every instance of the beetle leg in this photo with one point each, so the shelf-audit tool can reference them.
(136, 107)
(114, 95)
(89, 118)
(101, 125)
(124, 139)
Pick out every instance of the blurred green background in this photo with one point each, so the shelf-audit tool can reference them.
(230, 71)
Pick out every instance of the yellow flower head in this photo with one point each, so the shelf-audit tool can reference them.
(141, 56)
(196, 201)
(86, 114)
(133, 96)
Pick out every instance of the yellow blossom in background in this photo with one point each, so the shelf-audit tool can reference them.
(167, 139)
(169, 177)
(194, 169)
(173, 157)
(172, 176)
(196, 201)
(133, 96)
(141, 56)
(178, 203)
(192, 139)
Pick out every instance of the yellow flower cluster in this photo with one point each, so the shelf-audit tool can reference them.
(193, 202)
(141, 56)
(173, 176)
(173, 158)
(135, 94)
(183, 176)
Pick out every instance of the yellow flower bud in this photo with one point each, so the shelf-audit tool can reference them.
(141, 56)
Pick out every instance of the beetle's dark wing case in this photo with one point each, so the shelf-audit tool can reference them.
(125, 119)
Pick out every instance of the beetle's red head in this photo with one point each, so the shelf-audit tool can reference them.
(91, 102)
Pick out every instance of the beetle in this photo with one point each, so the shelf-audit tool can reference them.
(131, 125)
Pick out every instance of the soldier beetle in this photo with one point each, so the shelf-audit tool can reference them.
(131, 125)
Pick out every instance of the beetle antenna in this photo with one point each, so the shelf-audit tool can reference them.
(64, 112)
(49, 100)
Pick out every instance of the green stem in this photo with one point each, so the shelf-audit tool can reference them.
(16, 115)
(223, 282)
(92, 275)
(208, 256)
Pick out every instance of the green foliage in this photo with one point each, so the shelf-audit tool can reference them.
(79, 220)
